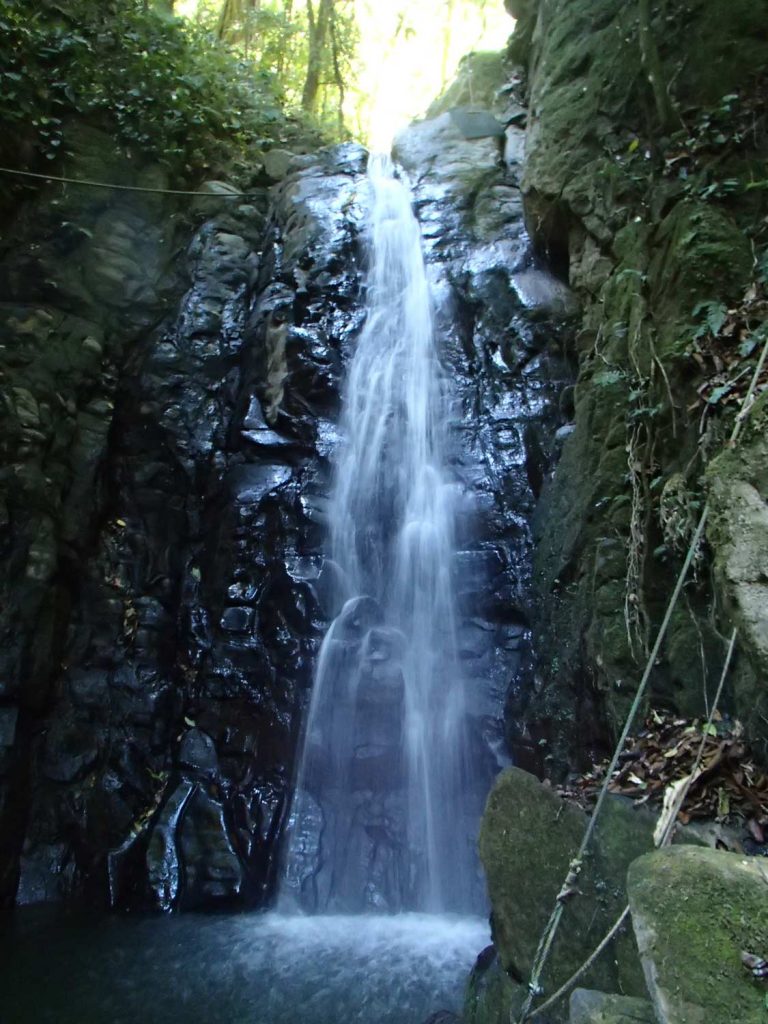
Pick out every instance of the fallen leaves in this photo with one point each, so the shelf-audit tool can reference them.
(725, 348)
(728, 787)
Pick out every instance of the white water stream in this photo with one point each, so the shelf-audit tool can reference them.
(380, 816)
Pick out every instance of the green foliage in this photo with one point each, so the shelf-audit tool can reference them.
(698, 155)
(282, 38)
(157, 83)
(715, 314)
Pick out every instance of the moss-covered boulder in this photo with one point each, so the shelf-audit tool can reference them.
(527, 841)
(694, 911)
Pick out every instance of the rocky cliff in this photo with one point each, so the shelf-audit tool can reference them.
(644, 178)
(643, 186)
(171, 386)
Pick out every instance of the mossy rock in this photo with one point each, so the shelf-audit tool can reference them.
(694, 911)
(492, 997)
(527, 840)
(700, 255)
(724, 45)
(590, 1007)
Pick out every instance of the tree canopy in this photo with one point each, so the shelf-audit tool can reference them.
(184, 80)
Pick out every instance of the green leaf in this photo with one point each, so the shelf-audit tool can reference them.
(716, 316)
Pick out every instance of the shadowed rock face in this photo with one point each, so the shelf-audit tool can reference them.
(155, 763)
(164, 515)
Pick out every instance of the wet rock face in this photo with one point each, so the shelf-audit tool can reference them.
(83, 277)
(159, 757)
(164, 514)
(504, 324)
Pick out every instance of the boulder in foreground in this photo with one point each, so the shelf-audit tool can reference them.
(694, 911)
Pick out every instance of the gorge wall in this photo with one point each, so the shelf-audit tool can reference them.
(643, 186)
(644, 177)
(171, 387)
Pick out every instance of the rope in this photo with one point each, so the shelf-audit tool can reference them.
(125, 188)
(694, 773)
(576, 976)
(663, 841)
(569, 887)
(550, 930)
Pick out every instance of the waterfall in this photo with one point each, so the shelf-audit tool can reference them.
(381, 816)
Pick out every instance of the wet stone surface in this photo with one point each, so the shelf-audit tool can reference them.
(163, 515)
(160, 755)
(505, 326)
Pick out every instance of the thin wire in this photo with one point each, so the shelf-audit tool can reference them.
(692, 776)
(550, 930)
(565, 988)
(125, 188)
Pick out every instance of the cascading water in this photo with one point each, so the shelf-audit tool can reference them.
(382, 817)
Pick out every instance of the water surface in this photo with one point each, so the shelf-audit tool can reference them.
(248, 969)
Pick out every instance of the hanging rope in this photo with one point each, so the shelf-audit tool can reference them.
(125, 188)
(570, 886)
(664, 840)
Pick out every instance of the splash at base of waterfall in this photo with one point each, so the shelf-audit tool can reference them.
(249, 969)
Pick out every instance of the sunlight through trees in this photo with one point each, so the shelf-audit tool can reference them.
(357, 67)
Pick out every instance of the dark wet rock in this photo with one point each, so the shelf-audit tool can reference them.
(197, 754)
(169, 647)
(42, 872)
(213, 873)
(163, 867)
(71, 749)
(8, 720)
(492, 996)
(165, 501)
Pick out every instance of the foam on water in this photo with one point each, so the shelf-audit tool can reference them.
(248, 969)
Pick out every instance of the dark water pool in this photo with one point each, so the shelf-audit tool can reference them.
(249, 969)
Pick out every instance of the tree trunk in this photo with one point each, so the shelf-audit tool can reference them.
(654, 70)
(337, 75)
(318, 32)
(447, 33)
